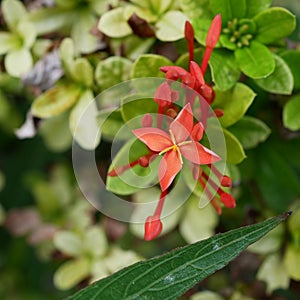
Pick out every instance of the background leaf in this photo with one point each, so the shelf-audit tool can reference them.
(291, 110)
(292, 58)
(256, 6)
(250, 131)
(235, 151)
(281, 81)
(170, 275)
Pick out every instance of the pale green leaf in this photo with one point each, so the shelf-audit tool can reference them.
(13, 11)
(18, 62)
(273, 272)
(229, 9)
(291, 261)
(281, 81)
(195, 9)
(224, 70)
(71, 273)
(95, 242)
(83, 72)
(234, 102)
(235, 151)
(55, 100)
(294, 223)
(112, 71)
(8, 42)
(68, 243)
(27, 33)
(255, 61)
(67, 54)
(273, 24)
(291, 111)
(114, 24)
(198, 223)
(250, 131)
(206, 295)
(172, 274)
(83, 121)
(170, 26)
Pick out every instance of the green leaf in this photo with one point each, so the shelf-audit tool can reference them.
(13, 12)
(68, 243)
(281, 81)
(8, 42)
(18, 62)
(235, 151)
(112, 71)
(250, 131)
(27, 33)
(95, 242)
(83, 121)
(294, 226)
(273, 24)
(137, 107)
(291, 111)
(272, 271)
(256, 6)
(133, 179)
(224, 70)
(71, 273)
(291, 262)
(201, 27)
(148, 65)
(234, 103)
(195, 9)
(292, 58)
(170, 275)
(255, 61)
(114, 24)
(229, 9)
(170, 26)
(55, 100)
(83, 72)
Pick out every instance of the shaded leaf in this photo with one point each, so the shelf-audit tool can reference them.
(234, 103)
(291, 110)
(170, 26)
(255, 61)
(225, 72)
(235, 151)
(273, 24)
(170, 275)
(250, 131)
(55, 100)
(281, 81)
(292, 58)
(256, 6)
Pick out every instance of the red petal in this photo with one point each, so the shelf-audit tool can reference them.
(197, 132)
(163, 95)
(198, 154)
(174, 72)
(182, 126)
(214, 31)
(196, 72)
(156, 139)
(169, 167)
(153, 228)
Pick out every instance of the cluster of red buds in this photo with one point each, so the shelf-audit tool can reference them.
(182, 138)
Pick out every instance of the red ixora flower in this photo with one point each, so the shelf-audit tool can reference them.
(181, 141)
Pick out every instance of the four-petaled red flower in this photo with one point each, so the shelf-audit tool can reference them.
(181, 141)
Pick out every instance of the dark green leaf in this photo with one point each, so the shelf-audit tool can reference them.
(256, 6)
(224, 70)
(170, 275)
(292, 58)
(250, 131)
(273, 24)
(291, 113)
(281, 81)
(229, 9)
(234, 103)
(255, 61)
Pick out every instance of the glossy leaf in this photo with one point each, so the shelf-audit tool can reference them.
(170, 275)
(255, 61)
(112, 70)
(83, 121)
(234, 103)
(114, 24)
(148, 65)
(170, 26)
(224, 70)
(250, 131)
(281, 81)
(55, 100)
(292, 58)
(229, 9)
(291, 110)
(256, 6)
(235, 151)
(273, 24)
(201, 27)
